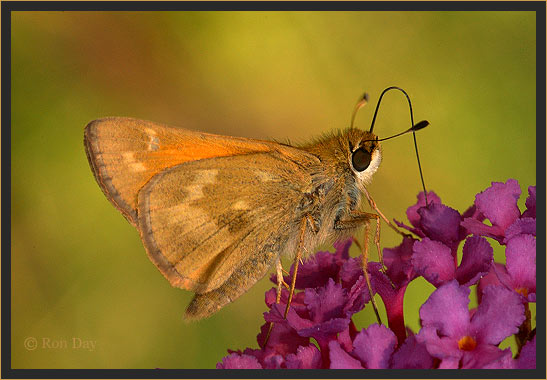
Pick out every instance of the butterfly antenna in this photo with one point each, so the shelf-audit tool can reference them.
(413, 129)
(363, 100)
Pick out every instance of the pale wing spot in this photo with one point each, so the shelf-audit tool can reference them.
(129, 158)
(240, 205)
(181, 220)
(206, 176)
(154, 143)
(180, 215)
(150, 131)
(194, 192)
(264, 176)
(138, 167)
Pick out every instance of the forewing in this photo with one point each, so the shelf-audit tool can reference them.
(199, 221)
(126, 153)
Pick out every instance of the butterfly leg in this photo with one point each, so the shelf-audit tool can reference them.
(364, 262)
(280, 283)
(297, 259)
(358, 219)
(307, 220)
(280, 280)
(375, 208)
(376, 242)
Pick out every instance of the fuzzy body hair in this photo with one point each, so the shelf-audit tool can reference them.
(337, 187)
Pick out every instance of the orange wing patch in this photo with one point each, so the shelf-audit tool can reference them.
(126, 153)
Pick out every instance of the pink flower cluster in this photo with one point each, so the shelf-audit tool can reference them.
(319, 331)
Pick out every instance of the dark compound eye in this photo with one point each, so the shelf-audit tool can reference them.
(360, 159)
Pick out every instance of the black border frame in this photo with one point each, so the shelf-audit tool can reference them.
(9, 6)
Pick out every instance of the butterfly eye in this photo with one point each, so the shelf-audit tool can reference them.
(360, 159)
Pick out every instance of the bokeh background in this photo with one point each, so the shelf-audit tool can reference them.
(79, 269)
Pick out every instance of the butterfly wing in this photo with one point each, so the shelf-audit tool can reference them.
(202, 220)
(126, 153)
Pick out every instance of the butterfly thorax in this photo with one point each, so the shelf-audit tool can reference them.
(338, 181)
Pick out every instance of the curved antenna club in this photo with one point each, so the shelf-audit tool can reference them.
(363, 100)
(414, 128)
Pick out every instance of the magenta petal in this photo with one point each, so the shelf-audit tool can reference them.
(398, 261)
(449, 363)
(415, 231)
(293, 319)
(496, 271)
(527, 358)
(315, 271)
(340, 359)
(392, 299)
(325, 330)
(326, 312)
(307, 357)
(351, 271)
(433, 260)
(237, 361)
(473, 226)
(520, 226)
(380, 282)
(297, 300)
(473, 212)
(446, 309)
(412, 211)
(283, 338)
(520, 256)
(487, 356)
(327, 302)
(440, 222)
(412, 355)
(439, 347)
(530, 203)
(498, 316)
(477, 258)
(270, 297)
(357, 297)
(499, 203)
(276, 313)
(504, 361)
(503, 277)
(274, 362)
(342, 249)
(345, 338)
(374, 346)
(257, 353)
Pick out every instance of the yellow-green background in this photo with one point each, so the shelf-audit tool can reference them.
(79, 269)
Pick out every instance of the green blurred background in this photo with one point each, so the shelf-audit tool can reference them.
(79, 269)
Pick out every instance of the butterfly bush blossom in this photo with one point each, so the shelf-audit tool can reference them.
(330, 288)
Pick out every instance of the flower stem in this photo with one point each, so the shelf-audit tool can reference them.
(395, 314)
